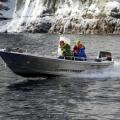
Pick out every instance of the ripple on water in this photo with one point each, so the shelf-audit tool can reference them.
(89, 96)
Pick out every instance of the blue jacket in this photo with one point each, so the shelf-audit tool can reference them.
(81, 54)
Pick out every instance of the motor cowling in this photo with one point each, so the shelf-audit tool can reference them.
(104, 55)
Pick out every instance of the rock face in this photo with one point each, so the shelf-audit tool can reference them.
(66, 16)
(3, 7)
(6, 9)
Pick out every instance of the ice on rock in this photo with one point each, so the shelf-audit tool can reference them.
(112, 6)
(65, 16)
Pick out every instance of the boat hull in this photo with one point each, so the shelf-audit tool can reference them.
(28, 65)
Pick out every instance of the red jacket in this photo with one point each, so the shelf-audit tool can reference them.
(76, 48)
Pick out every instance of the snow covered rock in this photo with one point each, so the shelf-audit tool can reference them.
(64, 16)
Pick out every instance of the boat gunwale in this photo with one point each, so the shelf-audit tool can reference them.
(89, 61)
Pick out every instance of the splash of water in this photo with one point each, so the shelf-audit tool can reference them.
(111, 72)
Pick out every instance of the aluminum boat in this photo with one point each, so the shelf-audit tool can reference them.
(29, 65)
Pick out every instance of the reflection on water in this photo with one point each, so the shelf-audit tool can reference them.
(89, 96)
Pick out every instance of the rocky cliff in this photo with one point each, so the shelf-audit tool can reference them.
(66, 16)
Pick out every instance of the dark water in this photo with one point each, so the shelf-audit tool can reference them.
(88, 96)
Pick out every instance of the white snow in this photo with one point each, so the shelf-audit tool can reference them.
(63, 10)
(30, 11)
(109, 6)
(94, 10)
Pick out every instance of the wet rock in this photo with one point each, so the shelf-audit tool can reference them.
(3, 0)
(39, 27)
(115, 15)
(71, 16)
(3, 18)
(3, 7)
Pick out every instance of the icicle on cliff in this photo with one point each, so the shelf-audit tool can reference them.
(66, 16)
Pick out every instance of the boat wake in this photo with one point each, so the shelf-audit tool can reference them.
(111, 72)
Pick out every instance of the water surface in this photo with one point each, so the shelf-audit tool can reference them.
(87, 96)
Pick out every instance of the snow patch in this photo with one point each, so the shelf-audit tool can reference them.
(109, 6)
(94, 10)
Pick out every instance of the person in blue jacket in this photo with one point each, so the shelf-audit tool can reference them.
(79, 52)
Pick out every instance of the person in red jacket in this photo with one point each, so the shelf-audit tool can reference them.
(77, 48)
(79, 51)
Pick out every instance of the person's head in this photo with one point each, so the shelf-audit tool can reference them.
(62, 43)
(78, 43)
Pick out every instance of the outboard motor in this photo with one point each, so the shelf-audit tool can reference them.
(105, 55)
